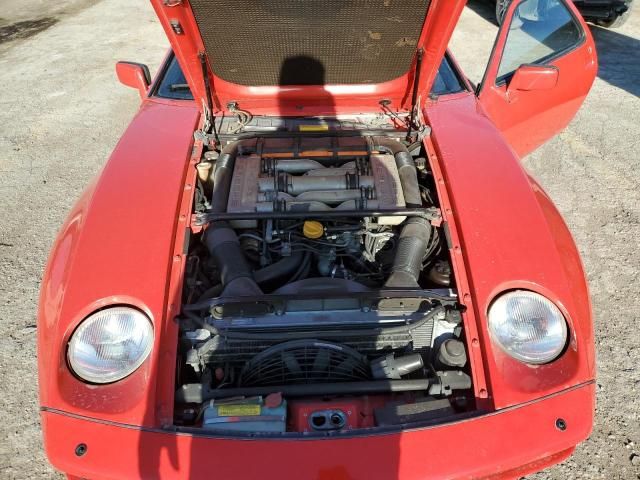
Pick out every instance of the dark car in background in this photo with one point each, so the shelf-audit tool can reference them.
(605, 13)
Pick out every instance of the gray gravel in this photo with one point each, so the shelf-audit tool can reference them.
(62, 111)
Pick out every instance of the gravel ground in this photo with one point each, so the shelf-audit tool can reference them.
(62, 111)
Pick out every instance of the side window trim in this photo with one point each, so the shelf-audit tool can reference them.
(153, 91)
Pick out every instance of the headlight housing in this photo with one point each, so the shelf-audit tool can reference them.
(527, 326)
(110, 344)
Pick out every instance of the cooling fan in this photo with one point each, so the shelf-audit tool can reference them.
(305, 361)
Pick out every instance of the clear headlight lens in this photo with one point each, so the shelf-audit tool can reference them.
(110, 344)
(528, 327)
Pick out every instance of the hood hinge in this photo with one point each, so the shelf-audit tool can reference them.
(207, 106)
(203, 133)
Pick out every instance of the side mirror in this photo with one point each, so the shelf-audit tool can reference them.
(134, 75)
(534, 77)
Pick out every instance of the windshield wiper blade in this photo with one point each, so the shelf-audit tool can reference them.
(174, 87)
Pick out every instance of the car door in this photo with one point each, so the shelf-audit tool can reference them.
(541, 68)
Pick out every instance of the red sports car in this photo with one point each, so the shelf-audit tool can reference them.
(315, 254)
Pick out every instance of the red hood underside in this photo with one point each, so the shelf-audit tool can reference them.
(303, 58)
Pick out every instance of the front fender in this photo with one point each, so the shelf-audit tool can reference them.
(115, 248)
(511, 236)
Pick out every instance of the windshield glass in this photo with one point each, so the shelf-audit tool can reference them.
(174, 85)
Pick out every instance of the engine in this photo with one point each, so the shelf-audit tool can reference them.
(321, 273)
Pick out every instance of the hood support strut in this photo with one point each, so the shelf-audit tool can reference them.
(210, 119)
(414, 98)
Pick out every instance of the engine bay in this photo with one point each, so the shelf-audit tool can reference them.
(318, 294)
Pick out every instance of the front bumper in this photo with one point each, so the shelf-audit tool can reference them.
(504, 444)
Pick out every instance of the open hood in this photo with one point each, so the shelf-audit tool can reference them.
(308, 57)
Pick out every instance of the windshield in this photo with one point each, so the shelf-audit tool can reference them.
(173, 84)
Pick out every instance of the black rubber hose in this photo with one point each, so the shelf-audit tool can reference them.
(303, 269)
(235, 274)
(283, 268)
(222, 177)
(406, 169)
(409, 179)
(411, 249)
(413, 243)
(212, 292)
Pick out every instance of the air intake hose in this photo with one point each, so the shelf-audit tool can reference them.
(406, 169)
(223, 175)
(416, 232)
(410, 252)
(236, 276)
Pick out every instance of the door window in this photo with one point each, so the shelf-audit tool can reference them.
(539, 31)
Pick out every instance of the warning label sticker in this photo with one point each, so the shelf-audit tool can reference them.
(238, 410)
(314, 128)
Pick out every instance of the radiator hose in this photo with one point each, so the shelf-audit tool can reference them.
(282, 269)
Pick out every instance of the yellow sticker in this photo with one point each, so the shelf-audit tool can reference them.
(238, 410)
(314, 128)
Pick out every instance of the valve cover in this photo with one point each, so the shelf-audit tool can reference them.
(301, 184)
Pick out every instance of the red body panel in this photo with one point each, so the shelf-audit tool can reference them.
(528, 119)
(358, 411)
(116, 248)
(499, 217)
(506, 444)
